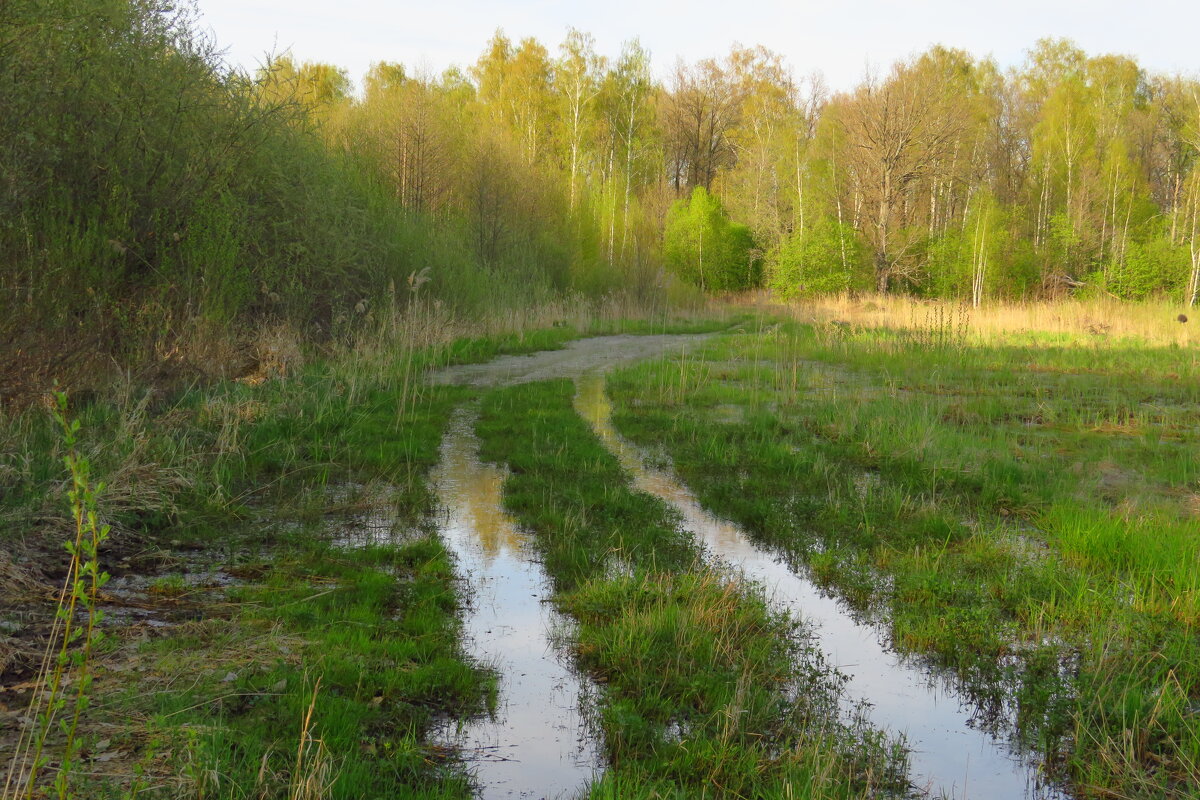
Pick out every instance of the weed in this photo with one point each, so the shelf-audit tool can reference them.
(55, 706)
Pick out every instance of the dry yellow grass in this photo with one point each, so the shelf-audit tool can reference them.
(1103, 318)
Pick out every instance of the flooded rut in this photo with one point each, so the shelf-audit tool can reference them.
(949, 757)
(538, 723)
(537, 743)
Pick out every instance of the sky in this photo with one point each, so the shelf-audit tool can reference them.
(840, 40)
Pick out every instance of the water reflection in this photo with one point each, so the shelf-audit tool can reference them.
(537, 745)
(477, 491)
(949, 757)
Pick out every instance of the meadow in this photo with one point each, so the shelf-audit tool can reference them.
(1016, 501)
(230, 298)
(1010, 495)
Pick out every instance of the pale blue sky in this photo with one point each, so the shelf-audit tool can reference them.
(838, 39)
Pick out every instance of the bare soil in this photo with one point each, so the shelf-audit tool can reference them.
(597, 354)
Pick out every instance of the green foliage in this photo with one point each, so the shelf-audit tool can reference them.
(147, 192)
(378, 636)
(1155, 266)
(146, 189)
(825, 258)
(65, 675)
(705, 248)
(153, 182)
(317, 88)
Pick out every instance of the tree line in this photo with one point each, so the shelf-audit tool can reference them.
(943, 176)
(149, 192)
(159, 207)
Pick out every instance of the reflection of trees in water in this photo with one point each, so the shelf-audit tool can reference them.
(471, 490)
(592, 403)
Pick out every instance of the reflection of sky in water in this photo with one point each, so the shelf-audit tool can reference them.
(948, 756)
(538, 745)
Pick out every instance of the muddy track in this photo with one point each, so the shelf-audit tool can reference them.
(949, 757)
(537, 742)
(579, 357)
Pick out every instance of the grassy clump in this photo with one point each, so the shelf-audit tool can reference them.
(705, 691)
(564, 480)
(1018, 507)
(377, 629)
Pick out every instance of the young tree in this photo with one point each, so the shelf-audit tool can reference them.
(699, 111)
(704, 247)
(577, 81)
(318, 89)
(758, 186)
(629, 121)
(515, 85)
(414, 132)
(383, 78)
(822, 259)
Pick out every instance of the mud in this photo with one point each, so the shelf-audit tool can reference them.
(577, 358)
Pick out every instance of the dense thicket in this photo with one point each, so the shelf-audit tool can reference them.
(155, 204)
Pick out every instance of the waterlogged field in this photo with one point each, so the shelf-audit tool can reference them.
(1022, 510)
(773, 559)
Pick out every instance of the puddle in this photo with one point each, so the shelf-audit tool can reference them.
(865, 482)
(170, 590)
(950, 758)
(578, 357)
(366, 517)
(538, 743)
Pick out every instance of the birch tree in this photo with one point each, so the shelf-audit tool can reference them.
(577, 81)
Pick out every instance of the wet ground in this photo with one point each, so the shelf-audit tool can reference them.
(949, 757)
(537, 744)
(577, 358)
(152, 592)
(510, 622)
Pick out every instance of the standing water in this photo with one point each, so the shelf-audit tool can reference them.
(536, 744)
(948, 757)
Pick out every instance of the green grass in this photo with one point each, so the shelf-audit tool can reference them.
(248, 474)
(377, 628)
(1023, 509)
(480, 349)
(257, 474)
(705, 691)
(188, 465)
